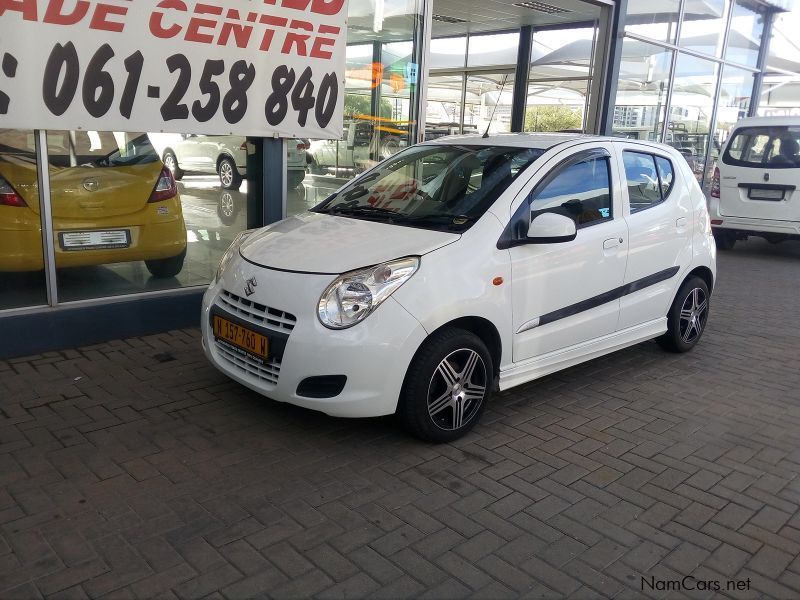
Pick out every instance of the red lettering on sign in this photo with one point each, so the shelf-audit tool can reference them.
(318, 50)
(321, 7)
(157, 19)
(297, 39)
(269, 34)
(26, 7)
(55, 13)
(240, 31)
(100, 17)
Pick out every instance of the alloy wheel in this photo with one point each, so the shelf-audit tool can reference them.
(694, 314)
(226, 173)
(169, 162)
(457, 389)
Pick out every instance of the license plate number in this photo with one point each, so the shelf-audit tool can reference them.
(243, 338)
(95, 240)
(764, 194)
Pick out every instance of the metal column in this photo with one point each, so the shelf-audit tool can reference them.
(763, 55)
(520, 95)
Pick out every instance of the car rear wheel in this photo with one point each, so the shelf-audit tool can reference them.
(171, 162)
(447, 386)
(229, 176)
(687, 317)
(725, 240)
(166, 267)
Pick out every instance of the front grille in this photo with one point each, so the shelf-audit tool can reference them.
(256, 313)
(267, 372)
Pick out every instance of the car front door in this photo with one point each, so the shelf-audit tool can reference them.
(564, 293)
(658, 206)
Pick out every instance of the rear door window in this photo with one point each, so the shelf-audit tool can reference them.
(773, 147)
(649, 179)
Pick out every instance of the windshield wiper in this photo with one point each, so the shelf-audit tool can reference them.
(451, 221)
(370, 211)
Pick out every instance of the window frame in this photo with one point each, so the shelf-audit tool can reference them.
(508, 238)
(654, 156)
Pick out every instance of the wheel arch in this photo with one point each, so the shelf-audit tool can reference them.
(703, 273)
(484, 329)
(222, 156)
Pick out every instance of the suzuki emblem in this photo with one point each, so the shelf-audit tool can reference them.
(91, 184)
(250, 287)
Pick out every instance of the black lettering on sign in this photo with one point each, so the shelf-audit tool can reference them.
(60, 81)
(98, 85)
(209, 87)
(9, 67)
(173, 108)
(242, 76)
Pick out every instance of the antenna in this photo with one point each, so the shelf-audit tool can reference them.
(502, 87)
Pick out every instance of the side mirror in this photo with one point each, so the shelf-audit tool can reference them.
(551, 228)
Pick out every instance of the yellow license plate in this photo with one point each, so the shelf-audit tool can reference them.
(241, 337)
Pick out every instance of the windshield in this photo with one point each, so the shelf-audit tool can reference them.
(764, 147)
(447, 188)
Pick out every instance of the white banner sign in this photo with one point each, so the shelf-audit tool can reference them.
(243, 67)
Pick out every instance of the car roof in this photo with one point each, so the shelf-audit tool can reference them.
(755, 121)
(520, 140)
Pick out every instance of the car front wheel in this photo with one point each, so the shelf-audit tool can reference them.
(229, 175)
(171, 162)
(447, 386)
(687, 317)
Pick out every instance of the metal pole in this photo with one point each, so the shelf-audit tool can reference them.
(520, 95)
(763, 56)
(610, 81)
(46, 216)
(274, 180)
(671, 81)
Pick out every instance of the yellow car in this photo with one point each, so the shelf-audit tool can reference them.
(112, 201)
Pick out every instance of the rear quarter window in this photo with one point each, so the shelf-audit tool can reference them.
(772, 147)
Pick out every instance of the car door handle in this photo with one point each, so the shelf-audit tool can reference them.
(611, 243)
(681, 222)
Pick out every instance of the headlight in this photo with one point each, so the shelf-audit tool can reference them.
(353, 296)
(231, 252)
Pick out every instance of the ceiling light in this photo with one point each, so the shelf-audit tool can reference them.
(542, 7)
(446, 19)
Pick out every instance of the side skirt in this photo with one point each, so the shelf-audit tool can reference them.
(574, 355)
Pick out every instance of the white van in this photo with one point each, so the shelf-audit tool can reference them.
(464, 265)
(755, 186)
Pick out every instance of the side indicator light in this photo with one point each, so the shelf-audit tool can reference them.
(497, 281)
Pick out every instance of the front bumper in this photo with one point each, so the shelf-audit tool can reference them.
(373, 355)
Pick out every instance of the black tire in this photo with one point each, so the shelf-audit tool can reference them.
(171, 162)
(166, 267)
(229, 177)
(725, 240)
(458, 349)
(687, 317)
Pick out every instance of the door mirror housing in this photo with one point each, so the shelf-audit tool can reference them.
(551, 228)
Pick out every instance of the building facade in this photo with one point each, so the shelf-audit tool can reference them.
(676, 71)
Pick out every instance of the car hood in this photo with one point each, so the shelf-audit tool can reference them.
(319, 243)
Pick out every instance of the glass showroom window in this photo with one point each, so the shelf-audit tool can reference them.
(380, 89)
(703, 26)
(781, 92)
(443, 115)
(732, 105)
(744, 39)
(22, 280)
(642, 90)
(691, 110)
(560, 79)
(656, 19)
(137, 212)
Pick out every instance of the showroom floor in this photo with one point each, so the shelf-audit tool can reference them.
(134, 469)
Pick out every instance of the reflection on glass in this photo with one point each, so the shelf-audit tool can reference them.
(380, 83)
(690, 115)
(642, 90)
(493, 49)
(744, 39)
(487, 105)
(122, 222)
(22, 281)
(656, 19)
(781, 91)
(704, 25)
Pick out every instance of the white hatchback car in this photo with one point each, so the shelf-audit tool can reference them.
(461, 266)
(755, 189)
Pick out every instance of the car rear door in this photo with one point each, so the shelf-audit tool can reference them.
(658, 210)
(760, 174)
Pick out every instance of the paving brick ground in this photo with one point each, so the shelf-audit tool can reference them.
(133, 469)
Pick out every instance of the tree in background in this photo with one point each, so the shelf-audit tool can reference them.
(552, 118)
(360, 104)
